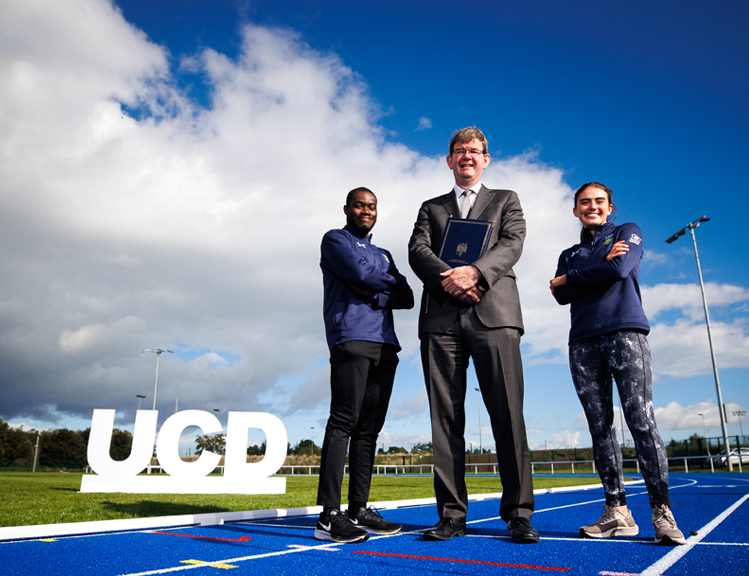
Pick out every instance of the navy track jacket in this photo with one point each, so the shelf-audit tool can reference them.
(344, 257)
(605, 294)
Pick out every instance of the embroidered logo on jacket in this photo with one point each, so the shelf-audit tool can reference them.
(635, 239)
(385, 257)
(608, 240)
(361, 245)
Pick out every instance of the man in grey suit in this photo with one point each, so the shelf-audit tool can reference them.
(473, 311)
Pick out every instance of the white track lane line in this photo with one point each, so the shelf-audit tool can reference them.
(324, 546)
(679, 551)
(685, 484)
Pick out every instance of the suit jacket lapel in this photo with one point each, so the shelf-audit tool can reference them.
(450, 204)
(482, 201)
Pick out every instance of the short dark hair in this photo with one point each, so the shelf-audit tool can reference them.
(466, 135)
(350, 195)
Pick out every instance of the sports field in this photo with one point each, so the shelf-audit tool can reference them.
(711, 510)
(48, 498)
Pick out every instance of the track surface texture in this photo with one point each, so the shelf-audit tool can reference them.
(711, 509)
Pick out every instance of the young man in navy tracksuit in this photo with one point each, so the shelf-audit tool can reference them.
(361, 288)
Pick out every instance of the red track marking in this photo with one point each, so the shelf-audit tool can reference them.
(465, 561)
(241, 539)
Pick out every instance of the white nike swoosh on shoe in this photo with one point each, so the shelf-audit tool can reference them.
(324, 527)
(354, 521)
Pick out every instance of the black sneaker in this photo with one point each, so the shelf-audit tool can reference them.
(335, 527)
(370, 520)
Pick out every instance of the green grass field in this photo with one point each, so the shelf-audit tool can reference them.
(50, 498)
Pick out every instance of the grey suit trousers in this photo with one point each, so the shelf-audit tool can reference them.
(496, 357)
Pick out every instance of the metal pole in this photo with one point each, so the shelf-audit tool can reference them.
(621, 421)
(36, 451)
(158, 352)
(156, 385)
(691, 226)
(712, 351)
(705, 429)
(740, 413)
(712, 466)
(481, 440)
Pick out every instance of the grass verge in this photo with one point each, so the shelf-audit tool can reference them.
(49, 498)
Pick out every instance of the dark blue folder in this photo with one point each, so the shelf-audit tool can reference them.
(464, 241)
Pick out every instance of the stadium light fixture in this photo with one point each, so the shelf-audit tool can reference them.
(691, 226)
(158, 352)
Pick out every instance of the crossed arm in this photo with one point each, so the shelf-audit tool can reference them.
(618, 249)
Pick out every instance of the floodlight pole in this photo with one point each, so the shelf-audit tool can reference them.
(158, 352)
(712, 466)
(691, 226)
(740, 413)
(36, 451)
(705, 429)
(481, 438)
(621, 420)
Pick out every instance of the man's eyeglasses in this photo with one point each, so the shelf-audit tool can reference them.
(470, 152)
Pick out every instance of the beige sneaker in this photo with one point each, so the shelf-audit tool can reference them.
(666, 531)
(611, 523)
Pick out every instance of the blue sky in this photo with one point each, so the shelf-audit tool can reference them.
(142, 140)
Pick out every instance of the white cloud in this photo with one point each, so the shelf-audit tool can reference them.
(567, 439)
(404, 440)
(688, 299)
(415, 405)
(23, 427)
(680, 346)
(677, 417)
(651, 257)
(100, 336)
(313, 392)
(424, 124)
(547, 205)
(682, 349)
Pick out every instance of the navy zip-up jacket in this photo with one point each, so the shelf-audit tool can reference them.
(344, 256)
(605, 294)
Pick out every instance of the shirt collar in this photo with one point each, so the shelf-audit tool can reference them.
(348, 228)
(604, 228)
(458, 190)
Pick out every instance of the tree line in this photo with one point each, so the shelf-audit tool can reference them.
(60, 448)
(63, 448)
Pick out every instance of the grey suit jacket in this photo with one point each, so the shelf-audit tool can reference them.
(500, 305)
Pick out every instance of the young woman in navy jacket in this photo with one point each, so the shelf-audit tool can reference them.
(599, 278)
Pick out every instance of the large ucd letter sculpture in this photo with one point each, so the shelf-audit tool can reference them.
(240, 477)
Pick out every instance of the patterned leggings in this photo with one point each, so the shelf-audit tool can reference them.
(625, 356)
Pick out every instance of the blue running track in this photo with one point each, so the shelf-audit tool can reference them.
(711, 509)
